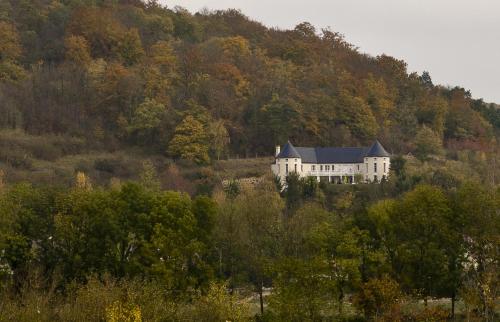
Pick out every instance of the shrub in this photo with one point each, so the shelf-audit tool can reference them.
(218, 305)
(16, 158)
(106, 165)
(46, 152)
(378, 299)
(429, 314)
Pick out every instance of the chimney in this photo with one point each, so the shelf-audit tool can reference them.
(278, 149)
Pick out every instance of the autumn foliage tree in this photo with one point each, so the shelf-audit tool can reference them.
(190, 141)
(10, 52)
(265, 85)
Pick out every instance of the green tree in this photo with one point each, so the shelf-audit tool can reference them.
(149, 176)
(355, 113)
(278, 120)
(219, 138)
(147, 119)
(422, 233)
(433, 112)
(477, 207)
(27, 231)
(260, 209)
(293, 192)
(427, 143)
(302, 290)
(190, 141)
(130, 47)
(10, 52)
(378, 299)
(381, 99)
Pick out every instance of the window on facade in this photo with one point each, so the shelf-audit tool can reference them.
(301, 168)
(384, 167)
(366, 167)
(375, 178)
(286, 168)
(327, 167)
(313, 168)
(295, 168)
(358, 167)
(321, 168)
(375, 167)
(333, 167)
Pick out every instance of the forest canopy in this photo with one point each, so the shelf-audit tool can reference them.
(133, 73)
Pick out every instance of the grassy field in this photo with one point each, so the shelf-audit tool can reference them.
(57, 159)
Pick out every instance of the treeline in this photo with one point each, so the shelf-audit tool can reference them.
(313, 253)
(200, 86)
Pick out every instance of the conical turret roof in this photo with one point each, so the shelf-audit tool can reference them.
(289, 151)
(377, 150)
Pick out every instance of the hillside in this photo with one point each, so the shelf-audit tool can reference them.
(102, 88)
(122, 76)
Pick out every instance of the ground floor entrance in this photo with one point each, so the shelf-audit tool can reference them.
(337, 179)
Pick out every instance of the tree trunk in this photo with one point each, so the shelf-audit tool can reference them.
(453, 305)
(220, 262)
(341, 298)
(261, 298)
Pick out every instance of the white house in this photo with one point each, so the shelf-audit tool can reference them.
(333, 164)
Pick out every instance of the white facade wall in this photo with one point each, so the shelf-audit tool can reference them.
(376, 168)
(283, 167)
(334, 171)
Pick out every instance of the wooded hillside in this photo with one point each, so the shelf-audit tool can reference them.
(201, 86)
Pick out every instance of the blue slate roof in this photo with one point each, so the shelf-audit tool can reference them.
(289, 151)
(333, 154)
(377, 150)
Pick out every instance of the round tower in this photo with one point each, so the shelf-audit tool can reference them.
(287, 161)
(377, 163)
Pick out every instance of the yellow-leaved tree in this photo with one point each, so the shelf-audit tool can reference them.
(82, 181)
(123, 312)
(77, 50)
(219, 138)
(190, 141)
(10, 51)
